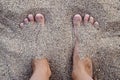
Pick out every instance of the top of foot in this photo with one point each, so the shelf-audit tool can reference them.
(87, 32)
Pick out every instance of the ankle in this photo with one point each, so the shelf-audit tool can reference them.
(38, 75)
(81, 76)
(41, 69)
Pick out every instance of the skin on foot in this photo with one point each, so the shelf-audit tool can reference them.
(38, 18)
(85, 34)
(31, 27)
(32, 34)
(41, 69)
(82, 68)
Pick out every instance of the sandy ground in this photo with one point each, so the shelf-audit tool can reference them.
(56, 41)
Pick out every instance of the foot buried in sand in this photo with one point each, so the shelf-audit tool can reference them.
(82, 68)
(33, 32)
(31, 27)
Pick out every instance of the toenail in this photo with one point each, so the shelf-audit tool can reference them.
(26, 20)
(86, 18)
(96, 23)
(30, 15)
(21, 25)
(91, 18)
(77, 17)
(87, 15)
(39, 15)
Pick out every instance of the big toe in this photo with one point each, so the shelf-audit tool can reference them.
(40, 19)
(77, 20)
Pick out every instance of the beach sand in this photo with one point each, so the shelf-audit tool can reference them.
(56, 42)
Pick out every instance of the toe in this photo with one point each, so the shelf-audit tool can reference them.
(40, 19)
(21, 25)
(77, 20)
(26, 20)
(31, 17)
(96, 23)
(86, 18)
(91, 20)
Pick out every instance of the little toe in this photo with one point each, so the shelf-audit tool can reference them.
(96, 25)
(40, 19)
(86, 18)
(91, 20)
(31, 18)
(77, 20)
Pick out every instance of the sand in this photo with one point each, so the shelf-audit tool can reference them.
(56, 41)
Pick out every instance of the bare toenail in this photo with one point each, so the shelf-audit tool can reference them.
(26, 20)
(30, 15)
(86, 18)
(39, 15)
(77, 17)
(21, 25)
(96, 23)
(91, 18)
(87, 15)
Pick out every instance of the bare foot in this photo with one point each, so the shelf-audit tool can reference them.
(41, 69)
(86, 35)
(82, 68)
(33, 34)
